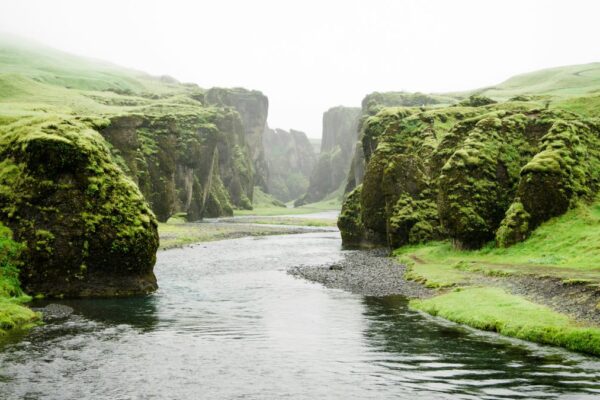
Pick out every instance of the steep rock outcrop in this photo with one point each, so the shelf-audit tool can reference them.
(340, 129)
(371, 105)
(253, 107)
(192, 161)
(87, 228)
(469, 174)
(290, 160)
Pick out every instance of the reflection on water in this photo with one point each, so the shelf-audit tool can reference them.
(458, 360)
(139, 312)
(228, 322)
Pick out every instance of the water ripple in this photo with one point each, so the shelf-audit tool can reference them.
(229, 323)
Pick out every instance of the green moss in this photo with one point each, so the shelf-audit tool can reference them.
(69, 192)
(515, 225)
(564, 170)
(350, 221)
(493, 309)
(413, 221)
(476, 101)
(13, 315)
(472, 174)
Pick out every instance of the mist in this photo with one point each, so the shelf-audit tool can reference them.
(308, 56)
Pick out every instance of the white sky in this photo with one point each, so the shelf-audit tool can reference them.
(308, 55)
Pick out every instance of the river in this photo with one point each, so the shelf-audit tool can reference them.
(228, 322)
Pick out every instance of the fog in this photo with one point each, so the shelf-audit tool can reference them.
(308, 56)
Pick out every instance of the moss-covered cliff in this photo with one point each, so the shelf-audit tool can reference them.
(86, 147)
(86, 227)
(340, 130)
(182, 159)
(253, 107)
(470, 174)
(290, 160)
(371, 105)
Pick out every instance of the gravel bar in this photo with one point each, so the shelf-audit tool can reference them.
(366, 272)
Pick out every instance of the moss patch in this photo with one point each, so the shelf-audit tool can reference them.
(65, 198)
(472, 174)
(13, 315)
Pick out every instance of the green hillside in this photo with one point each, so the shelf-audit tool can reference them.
(572, 80)
(34, 78)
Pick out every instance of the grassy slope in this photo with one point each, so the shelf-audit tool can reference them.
(572, 80)
(565, 247)
(265, 205)
(36, 80)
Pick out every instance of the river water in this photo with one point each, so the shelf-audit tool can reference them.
(229, 323)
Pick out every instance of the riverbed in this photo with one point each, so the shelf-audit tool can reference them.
(229, 322)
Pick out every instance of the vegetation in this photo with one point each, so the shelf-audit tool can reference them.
(492, 309)
(563, 247)
(85, 145)
(73, 208)
(13, 315)
(474, 193)
(291, 159)
(325, 205)
(174, 234)
(472, 173)
(154, 125)
(567, 81)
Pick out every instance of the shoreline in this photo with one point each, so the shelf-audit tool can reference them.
(538, 309)
(178, 235)
(365, 272)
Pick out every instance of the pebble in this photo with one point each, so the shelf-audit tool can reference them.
(366, 272)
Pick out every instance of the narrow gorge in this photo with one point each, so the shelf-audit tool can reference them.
(161, 239)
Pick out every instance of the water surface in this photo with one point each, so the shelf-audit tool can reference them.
(229, 323)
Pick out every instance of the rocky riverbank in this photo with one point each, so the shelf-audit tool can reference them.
(368, 272)
(537, 308)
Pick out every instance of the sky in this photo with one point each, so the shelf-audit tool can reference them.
(308, 56)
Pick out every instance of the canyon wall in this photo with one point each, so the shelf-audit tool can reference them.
(340, 130)
(470, 173)
(253, 107)
(85, 226)
(290, 160)
(371, 105)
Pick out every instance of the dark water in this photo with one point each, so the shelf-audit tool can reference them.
(229, 323)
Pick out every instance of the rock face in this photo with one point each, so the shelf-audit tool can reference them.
(85, 146)
(253, 107)
(469, 174)
(290, 160)
(340, 130)
(371, 105)
(87, 228)
(193, 161)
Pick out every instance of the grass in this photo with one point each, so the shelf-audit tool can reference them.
(175, 234)
(492, 309)
(584, 105)
(13, 315)
(566, 247)
(330, 204)
(560, 82)
(293, 221)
